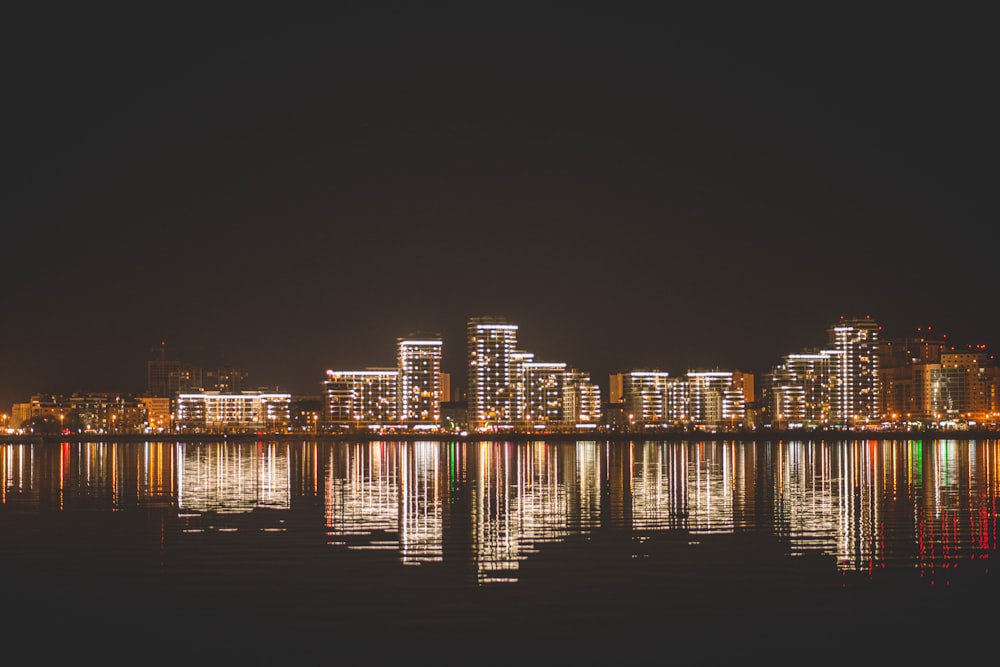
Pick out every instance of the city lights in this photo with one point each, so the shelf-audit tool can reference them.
(859, 380)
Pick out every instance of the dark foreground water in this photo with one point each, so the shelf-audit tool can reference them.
(493, 553)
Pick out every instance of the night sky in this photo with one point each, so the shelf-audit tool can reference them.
(289, 194)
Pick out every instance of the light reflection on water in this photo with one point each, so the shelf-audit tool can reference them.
(867, 503)
(497, 513)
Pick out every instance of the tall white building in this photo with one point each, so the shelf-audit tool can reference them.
(419, 374)
(854, 400)
(645, 394)
(811, 372)
(492, 344)
(544, 383)
(713, 400)
(581, 401)
(519, 384)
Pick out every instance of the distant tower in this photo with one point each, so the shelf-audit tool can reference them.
(854, 400)
(419, 395)
(162, 374)
(492, 343)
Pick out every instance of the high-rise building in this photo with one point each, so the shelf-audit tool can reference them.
(713, 399)
(786, 402)
(226, 380)
(492, 343)
(811, 372)
(956, 389)
(419, 394)
(645, 394)
(855, 397)
(519, 361)
(581, 401)
(543, 395)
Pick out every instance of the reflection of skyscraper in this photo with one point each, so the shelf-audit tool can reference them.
(492, 343)
(855, 397)
(419, 394)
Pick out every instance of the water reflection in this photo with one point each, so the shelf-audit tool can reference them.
(873, 506)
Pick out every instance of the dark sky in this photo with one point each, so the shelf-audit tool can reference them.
(635, 189)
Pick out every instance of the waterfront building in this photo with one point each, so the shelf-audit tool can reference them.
(645, 397)
(419, 375)
(581, 400)
(678, 402)
(519, 383)
(810, 371)
(543, 392)
(359, 398)
(903, 363)
(713, 401)
(248, 411)
(785, 402)
(492, 343)
(925, 380)
(955, 390)
(158, 413)
(855, 395)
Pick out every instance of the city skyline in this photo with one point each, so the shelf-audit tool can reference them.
(634, 187)
(459, 356)
(861, 377)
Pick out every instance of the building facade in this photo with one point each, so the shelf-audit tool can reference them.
(492, 344)
(854, 399)
(419, 374)
(209, 412)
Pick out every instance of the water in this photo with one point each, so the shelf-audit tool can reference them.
(586, 552)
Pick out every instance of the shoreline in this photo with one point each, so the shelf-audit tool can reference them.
(560, 436)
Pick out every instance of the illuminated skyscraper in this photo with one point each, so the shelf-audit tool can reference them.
(519, 362)
(811, 372)
(646, 397)
(854, 400)
(543, 382)
(492, 343)
(419, 394)
(581, 402)
(713, 400)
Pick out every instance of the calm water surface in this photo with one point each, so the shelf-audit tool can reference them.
(587, 553)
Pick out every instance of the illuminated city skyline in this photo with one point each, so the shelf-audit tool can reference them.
(860, 379)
